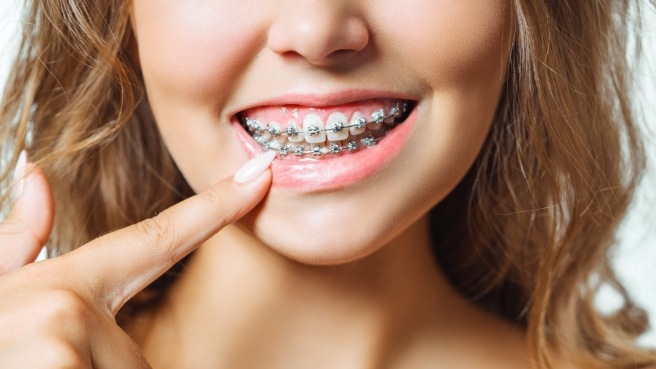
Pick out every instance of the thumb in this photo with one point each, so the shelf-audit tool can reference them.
(28, 226)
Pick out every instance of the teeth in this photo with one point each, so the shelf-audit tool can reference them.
(292, 131)
(358, 123)
(261, 140)
(368, 141)
(391, 115)
(316, 150)
(377, 117)
(254, 126)
(337, 136)
(274, 129)
(314, 129)
(275, 145)
(335, 126)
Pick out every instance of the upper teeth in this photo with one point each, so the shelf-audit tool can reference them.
(315, 131)
(335, 127)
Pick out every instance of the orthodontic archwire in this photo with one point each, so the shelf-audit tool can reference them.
(299, 149)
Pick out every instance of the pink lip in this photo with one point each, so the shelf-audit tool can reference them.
(327, 99)
(313, 175)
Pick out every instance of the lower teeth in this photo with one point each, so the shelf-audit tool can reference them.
(318, 150)
(265, 136)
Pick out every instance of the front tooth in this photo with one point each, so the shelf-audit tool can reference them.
(292, 131)
(358, 123)
(314, 129)
(335, 126)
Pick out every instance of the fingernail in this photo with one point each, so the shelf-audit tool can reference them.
(19, 175)
(254, 167)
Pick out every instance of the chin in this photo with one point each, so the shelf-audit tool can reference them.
(335, 228)
(316, 251)
(330, 230)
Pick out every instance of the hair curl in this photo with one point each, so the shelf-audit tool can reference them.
(527, 233)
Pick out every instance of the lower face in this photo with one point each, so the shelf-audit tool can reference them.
(221, 90)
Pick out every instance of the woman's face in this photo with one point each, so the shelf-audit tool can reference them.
(317, 67)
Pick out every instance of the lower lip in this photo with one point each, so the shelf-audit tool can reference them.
(311, 175)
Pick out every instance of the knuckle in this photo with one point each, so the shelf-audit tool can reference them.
(219, 199)
(216, 196)
(61, 307)
(157, 230)
(61, 355)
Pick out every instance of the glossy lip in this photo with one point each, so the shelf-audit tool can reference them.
(314, 175)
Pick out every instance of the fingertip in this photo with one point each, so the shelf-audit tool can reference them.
(35, 205)
(19, 174)
(255, 167)
(259, 186)
(245, 196)
(30, 221)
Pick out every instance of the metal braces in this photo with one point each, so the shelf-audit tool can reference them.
(258, 130)
(316, 150)
(378, 117)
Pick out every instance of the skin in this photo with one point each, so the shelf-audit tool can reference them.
(264, 292)
(304, 47)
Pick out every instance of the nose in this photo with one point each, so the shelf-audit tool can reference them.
(323, 32)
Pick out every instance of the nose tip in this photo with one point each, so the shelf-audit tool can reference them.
(320, 35)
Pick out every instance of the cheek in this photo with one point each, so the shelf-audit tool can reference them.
(449, 42)
(190, 56)
(191, 49)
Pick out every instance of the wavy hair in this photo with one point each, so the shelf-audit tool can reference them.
(527, 233)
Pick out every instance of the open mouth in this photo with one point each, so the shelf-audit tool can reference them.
(295, 131)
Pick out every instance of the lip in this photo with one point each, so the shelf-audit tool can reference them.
(315, 175)
(325, 99)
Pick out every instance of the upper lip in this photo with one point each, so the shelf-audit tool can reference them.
(325, 99)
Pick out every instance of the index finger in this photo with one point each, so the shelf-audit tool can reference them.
(120, 264)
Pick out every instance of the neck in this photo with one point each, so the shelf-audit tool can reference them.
(239, 303)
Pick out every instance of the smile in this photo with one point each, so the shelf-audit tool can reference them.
(327, 146)
(297, 132)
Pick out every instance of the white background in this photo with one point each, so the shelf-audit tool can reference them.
(636, 255)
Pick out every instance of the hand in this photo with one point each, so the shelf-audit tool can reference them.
(60, 313)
